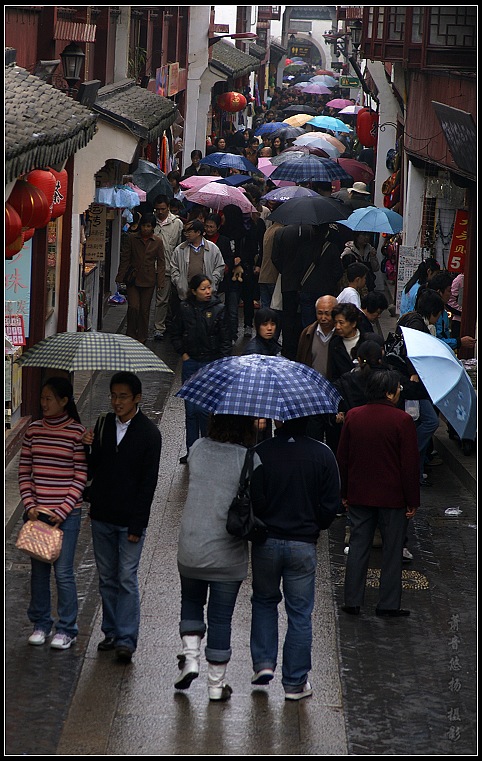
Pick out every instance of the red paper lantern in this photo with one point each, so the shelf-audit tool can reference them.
(13, 224)
(44, 180)
(27, 234)
(367, 127)
(14, 247)
(232, 102)
(60, 193)
(31, 204)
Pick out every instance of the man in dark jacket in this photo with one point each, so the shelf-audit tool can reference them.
(296, 492)
(387, 500)
(123, 457)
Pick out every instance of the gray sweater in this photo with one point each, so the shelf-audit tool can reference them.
(206, 550)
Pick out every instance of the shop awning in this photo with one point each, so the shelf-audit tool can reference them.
(43, 126)
(227, 59)
(140, 111)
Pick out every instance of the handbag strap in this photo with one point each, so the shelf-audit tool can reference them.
(247, 470)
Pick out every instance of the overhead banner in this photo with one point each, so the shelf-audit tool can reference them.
(458, 246)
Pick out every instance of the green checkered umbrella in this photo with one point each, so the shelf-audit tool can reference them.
(92, 351)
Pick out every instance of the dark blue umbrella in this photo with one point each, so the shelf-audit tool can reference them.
(234, 180)
(229, 161)
(267, 128)
(260, 386)
(287, 131)
(308, 169)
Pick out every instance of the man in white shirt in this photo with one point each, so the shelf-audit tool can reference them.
(169, 228)
(356, 274)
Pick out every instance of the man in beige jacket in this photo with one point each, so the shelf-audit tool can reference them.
(169, 229)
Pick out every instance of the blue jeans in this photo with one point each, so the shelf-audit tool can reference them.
(196, 417)
(266, 294)
(426, 424)
(117, 562)
(222, 599)
(39, 610)
(294, 563)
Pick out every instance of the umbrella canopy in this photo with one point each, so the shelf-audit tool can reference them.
(196, 181)
(260, 386)
(318, 140)
(310, 168)
(351, 109)
(360, 171)
(316, 89)
(284, 194)
(149, 177)
(234, 180)
(325, 71)
(319, 210)
(229, 161)
(290, 155)
(330, 122)
(371, 219)
(446, 380)
(217, 196)
(305, 150)
(339, 103)
(298, 120)
(267, 128)
(324, 79)
(297, 109)
(287, 132)
(92, 351)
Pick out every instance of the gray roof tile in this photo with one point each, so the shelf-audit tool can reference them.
(43, 125)
(228, 59)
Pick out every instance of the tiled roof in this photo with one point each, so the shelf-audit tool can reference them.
(43, 126)
(141, 111)
(228, 59)
(278, 50)
(257, 51)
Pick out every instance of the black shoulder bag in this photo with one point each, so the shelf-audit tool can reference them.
(241, 520)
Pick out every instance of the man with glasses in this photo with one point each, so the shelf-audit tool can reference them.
(123, 454)
(195, 256)
(169, 228)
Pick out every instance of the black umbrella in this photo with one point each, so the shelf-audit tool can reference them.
(299, 110)
(149, 177)
(287, 131)
(315, 210)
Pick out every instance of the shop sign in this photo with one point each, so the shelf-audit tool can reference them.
(95, 242)
(15, 329)
(349, 82)
(173, 81)
(18, 273)
(458, 246)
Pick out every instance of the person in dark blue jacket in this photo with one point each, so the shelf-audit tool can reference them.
(296, 492)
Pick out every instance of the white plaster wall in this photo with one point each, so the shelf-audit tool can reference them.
(195, 119)
(413, 208)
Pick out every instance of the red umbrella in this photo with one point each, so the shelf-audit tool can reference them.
(360, 171)
(325, 71)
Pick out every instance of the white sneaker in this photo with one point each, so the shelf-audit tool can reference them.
(304, 693)
(346, 550)
(38, 637)
(407, 555)
(62, 641)
(263, 676)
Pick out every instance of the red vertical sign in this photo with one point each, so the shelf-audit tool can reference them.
(458, 246)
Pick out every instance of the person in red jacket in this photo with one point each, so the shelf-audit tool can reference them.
(388, 499)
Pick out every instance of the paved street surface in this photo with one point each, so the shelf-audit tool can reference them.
(396, 687)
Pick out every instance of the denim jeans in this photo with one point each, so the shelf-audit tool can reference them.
(293, 563)
(266, 294)
(39, 610)
(117, 562)
(196, 417)
(426, 424)
(222, 599)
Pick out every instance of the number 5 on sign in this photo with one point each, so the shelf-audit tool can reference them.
(458, 246)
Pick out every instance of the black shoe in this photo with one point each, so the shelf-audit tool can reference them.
(158, 336)
(123, 653)
(425, 482)
(106, 644)
(183, 460)
(353, 610)
(392, 613)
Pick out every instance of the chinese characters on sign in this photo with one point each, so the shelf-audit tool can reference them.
(95, 243)
(455, 684)
(17, 284)
(458, 245)
(15, 329)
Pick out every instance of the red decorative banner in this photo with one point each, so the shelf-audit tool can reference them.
(458, 246)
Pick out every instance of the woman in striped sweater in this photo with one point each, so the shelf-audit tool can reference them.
(52, 475)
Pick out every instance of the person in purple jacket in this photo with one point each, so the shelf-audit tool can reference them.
(387, 500)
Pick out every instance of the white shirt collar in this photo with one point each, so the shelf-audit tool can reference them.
(322, 336)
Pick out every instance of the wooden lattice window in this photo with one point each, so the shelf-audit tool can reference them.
(453, 27)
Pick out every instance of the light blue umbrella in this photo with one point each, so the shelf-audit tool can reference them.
(372, 219)
(330, 122)
(260, 386)
(292, 191)
(445, 378)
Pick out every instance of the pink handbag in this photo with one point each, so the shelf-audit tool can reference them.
(40, 540)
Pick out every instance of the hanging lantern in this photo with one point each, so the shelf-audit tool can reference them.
(14, 247)
(13, 224)
(44, 180)
(367, 127)
(31, 204)
(232, 102)
(27, 234)
(60, 193)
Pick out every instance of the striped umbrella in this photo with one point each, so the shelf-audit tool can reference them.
(310, 168)
(92, 351)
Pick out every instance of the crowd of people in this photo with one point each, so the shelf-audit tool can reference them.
(205, 266)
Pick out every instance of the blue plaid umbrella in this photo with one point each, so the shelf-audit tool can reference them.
(267, 128)
(260, 386)
(310, 168)
(92, 351)
(229, 161)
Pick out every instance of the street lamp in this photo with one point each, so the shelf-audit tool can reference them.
(72, 59)
(339, 42)
(356, 34)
